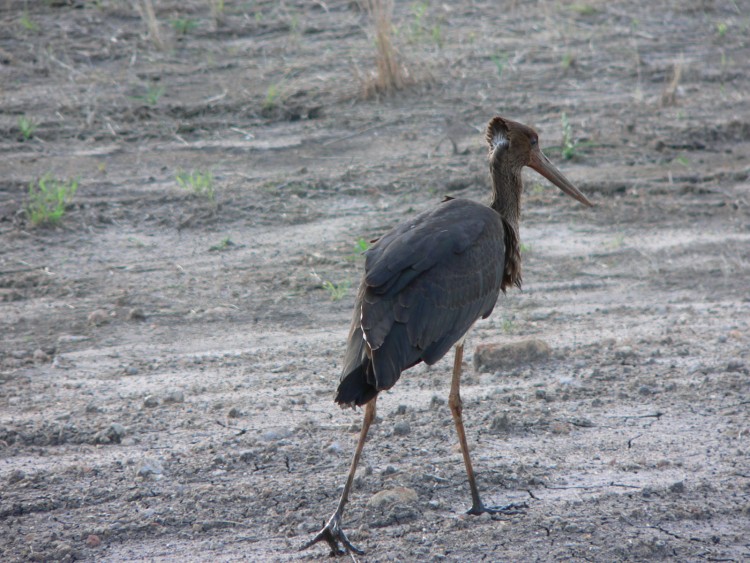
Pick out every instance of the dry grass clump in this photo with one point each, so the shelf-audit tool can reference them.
(145, 9)
(390, 75)
(669, 94)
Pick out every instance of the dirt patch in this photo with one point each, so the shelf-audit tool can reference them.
(168, 360)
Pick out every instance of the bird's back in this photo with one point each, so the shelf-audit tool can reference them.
(426, 282)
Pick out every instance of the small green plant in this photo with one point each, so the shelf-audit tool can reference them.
(416, 29)
(683, 160)
(361, 245)
(223, 244)
(508, 325)
(27, 126)
(152, 94)
(568, 60)
(570, 149)
(200, 182)
(583, 9)
(48, 198)
(500, 61)
(721, 29)
(27, 23)
(183, 26)
(336, 291)
(272, 97)
(525, 248)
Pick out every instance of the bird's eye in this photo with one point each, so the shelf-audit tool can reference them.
(534, 141)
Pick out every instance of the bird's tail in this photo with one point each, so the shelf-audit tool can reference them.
(354, 389)
(357, 385)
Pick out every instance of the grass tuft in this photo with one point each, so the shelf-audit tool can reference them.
(390, 74)
(200, 182)
(27, 126)
(48, 198)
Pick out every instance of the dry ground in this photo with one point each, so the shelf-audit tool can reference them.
(167, 363)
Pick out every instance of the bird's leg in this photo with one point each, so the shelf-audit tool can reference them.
(454, 401)
(332, 532)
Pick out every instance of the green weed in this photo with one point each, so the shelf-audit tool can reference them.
(27, 126)
(223, 244)
(721, 29)
(152, 94)
(200, 182)
(48, 198)
(27, 23)
(273, 94)
(525, 248)
(183, 26)
(336, 291)
(570, 148)
(500, 62)
(361, 245)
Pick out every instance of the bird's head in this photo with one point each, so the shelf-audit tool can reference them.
(514, 145)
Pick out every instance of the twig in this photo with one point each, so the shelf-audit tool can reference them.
(360, 132)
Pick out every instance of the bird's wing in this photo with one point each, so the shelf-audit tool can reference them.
(427, 281)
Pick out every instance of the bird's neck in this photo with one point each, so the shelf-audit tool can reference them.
(506, 191)
(506, 200)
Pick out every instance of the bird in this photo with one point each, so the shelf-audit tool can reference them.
(426, 282)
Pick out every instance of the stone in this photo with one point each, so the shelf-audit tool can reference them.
(497, 357)
(397, 495)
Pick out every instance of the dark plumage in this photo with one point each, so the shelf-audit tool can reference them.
(426, 282)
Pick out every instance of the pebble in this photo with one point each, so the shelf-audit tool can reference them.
(41, 357)
(500, 423)
(150, 402)
(98, 317)
(496, 357)
(174, 396)
(131, 370)
(334, 448)
(93, 541)
(150, 468)
(112, 435)
(234, 412)
(136, 314)
(677, 487)
(399, 495)
(402, 428)
(15, 476)
(275, 434)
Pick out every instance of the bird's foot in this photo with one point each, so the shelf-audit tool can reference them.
(333, 535)
(508, 509)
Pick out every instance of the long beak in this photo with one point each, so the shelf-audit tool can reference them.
(541, 164)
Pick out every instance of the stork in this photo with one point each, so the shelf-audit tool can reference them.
(426, 282)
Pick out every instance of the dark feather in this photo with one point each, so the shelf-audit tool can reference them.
(426, 282)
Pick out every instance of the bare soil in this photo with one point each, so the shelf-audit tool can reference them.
(167, 363)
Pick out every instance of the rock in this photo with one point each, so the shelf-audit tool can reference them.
(234, 412)
(112, 435)
(500, 424)
(400, 495)
(150, 402)
(334, 448)
(136, 314)
(275, 434)
(93, 541)
(494, 357)
(677, 487)
(437, 401)
(41, 357)
(98, 317)
(389, 470)
(732, 366)
(402, 428)
(174, 396)
(131, 370)
(15, 476)
(150, 468)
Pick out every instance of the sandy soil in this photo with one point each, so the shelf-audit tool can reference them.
(167, 362)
